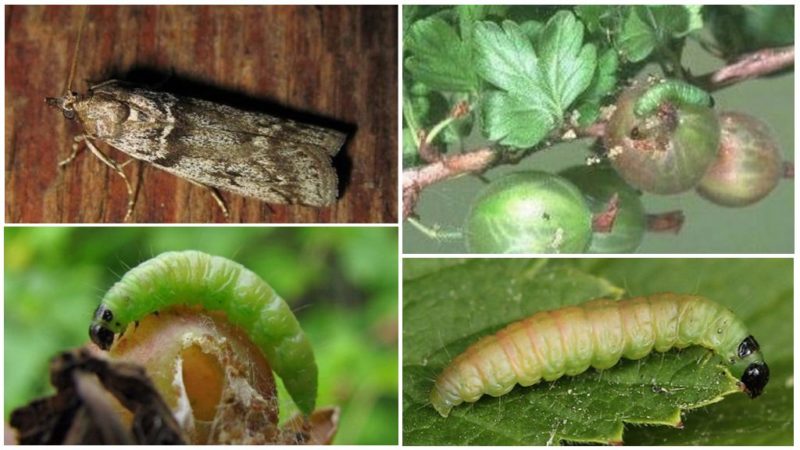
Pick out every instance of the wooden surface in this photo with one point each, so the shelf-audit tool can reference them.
(329, 65)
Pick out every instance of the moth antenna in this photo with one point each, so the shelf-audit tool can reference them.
(68, 87)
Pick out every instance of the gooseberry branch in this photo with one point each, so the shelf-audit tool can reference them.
(444, 167)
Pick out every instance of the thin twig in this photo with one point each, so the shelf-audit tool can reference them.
(436, 232)
(752, 65)
(417, 179)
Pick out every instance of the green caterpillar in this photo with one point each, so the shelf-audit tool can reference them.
(674, 91)
(597, 334)
(217, 284)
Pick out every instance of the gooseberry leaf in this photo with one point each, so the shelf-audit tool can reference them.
(739, 29)
(536, 83)
(468, 15)
(646, 28)
(439, 57)
(446, 310)
(597, 18)
(603, 83)
(413, 13)
(422, 109)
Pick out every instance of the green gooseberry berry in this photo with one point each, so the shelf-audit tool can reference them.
(529, 212)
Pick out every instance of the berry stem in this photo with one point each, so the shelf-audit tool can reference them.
(435, 232)
(666, 222)
(788, 170)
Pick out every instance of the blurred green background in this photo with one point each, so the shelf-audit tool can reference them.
(765, 227)
(341, 283)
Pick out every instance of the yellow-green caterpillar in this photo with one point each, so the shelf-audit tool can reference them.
(675, 91)
(597, 334)
(217, 284)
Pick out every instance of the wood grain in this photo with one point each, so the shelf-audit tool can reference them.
(330, 65)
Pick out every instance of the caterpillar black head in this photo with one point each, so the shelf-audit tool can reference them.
(754, 378)
(756, 375)
(99, 331)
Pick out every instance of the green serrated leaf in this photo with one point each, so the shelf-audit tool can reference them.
(740, 29)
(423, 108)
(513, 121)
(413, 13)
(468, 15)
(592, 16)
(532, 29)
(537, 85)
(438, 57)
(567, 64)
(445, 309)
(587, 113)
(604, 21)
(603, 83)
(646, 28)
(695, 17)
(637, 39)
(420, 267)
(505, 57)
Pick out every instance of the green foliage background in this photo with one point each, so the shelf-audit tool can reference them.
(449, 304)
(436, 40)
(340, 282)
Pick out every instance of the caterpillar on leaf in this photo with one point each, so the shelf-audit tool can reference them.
(569, 340)
(194, 278)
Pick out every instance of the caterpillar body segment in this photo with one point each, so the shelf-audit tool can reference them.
(675, 91)
(194, 278)
(570, 340)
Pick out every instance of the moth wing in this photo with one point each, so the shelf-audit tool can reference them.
(201, 113)
(267, 168)
(253, 154)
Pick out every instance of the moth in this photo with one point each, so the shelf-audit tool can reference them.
(195, 278)
(567, 341)
(253, 154)
(676, 91)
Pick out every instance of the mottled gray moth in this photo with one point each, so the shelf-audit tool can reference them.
(567, 341)
(253, 154)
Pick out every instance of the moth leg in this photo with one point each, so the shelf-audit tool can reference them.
(116, 168)
(75, 149)
(94, 85)
(217, 198)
